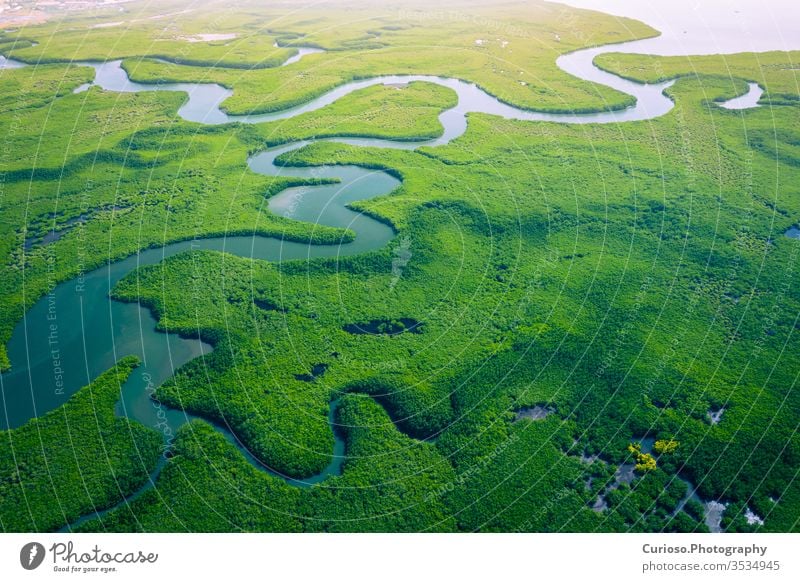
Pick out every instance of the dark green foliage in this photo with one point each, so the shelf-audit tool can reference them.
(526, 302)
(629, 277)
(195, 488)
(74, 460)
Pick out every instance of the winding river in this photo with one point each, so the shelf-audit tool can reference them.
(93, 331)
(76, 332)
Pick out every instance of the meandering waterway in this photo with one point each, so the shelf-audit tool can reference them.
(91, 331)
(76, 332)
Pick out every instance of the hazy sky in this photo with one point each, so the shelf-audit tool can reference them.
(711, 26)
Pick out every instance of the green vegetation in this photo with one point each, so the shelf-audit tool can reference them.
(27, 89)
(403, 113)
(74, 460)
(775, 71)
(117, 158)
(513, 321)
(193, 492)
(510, 51)
(629, 277)
(202, 38)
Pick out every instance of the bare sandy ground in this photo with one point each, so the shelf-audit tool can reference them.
(208, 37)
(20, 13)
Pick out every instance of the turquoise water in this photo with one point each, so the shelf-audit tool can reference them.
(76, 332)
